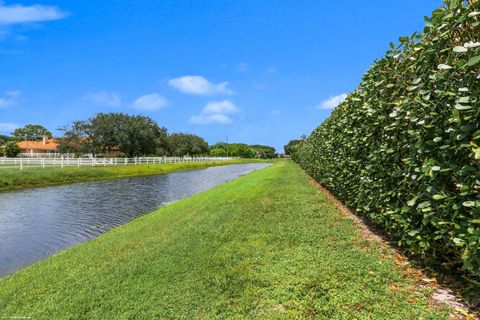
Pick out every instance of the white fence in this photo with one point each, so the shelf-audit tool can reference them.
(22, 163)
(42, 155)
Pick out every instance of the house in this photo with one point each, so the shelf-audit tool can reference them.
(45, 147)
(49, 148)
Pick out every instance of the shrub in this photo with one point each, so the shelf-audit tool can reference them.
(404, 147)
(221, 149)
(10, 149)
(291, 147)
(263, 152)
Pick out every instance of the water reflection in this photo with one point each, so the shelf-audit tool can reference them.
(36, 223)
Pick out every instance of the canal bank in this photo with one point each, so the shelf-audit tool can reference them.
(36, 223)
(266, 245)
(12, 179)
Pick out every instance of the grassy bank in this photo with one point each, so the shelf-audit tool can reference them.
(35, 177)
(267, 245)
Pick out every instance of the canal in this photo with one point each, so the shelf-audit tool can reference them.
(36, 223)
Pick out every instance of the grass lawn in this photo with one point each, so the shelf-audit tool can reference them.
(269, 245)
(34, 177)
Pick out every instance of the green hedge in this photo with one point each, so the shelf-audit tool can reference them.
(403, 149)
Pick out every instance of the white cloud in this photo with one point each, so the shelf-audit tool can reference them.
(332, 102)
(220, 107)
(243, 67)
(10, 99)
(211, 119)
(111, 99)
(198, 85)
(8, 127)
(150, 102)
(17, 13)
(216, 112)
(275, 112)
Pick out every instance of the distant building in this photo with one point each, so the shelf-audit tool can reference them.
(48, 147)
(45, 147)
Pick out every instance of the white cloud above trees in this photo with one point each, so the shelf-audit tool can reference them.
(150, 102)
(198, 85)
(18, 14)
(332, 102)
(216, 112)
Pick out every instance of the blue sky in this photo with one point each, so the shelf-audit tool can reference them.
(259, 72)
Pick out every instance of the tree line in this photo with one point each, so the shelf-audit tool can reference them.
(131, 136)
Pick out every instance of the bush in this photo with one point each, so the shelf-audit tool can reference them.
(263, 152)
(221, 149)
(10, 149)
(183, 144)
(403, 149)
(291, 147)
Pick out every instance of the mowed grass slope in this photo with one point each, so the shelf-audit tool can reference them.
(34, 177)
(268, 245)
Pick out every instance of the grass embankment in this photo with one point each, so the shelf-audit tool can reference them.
(267, 245)
(35, 177)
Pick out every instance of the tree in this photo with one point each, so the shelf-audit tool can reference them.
(10, 149)
(31, 132)
(133, 135)
(241, 150)
(77, 139)
(4, 139)
(218, 152)
(182, 144)
(263, 152)
(221, 149)
(238, 150)
(291, 146)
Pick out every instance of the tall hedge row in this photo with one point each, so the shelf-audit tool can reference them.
(404, 147)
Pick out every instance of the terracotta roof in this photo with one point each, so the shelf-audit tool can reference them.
(51, 144)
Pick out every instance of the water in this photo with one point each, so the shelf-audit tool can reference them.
(36, 223)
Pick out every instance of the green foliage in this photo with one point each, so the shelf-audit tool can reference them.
(31, 132)
(77, 139)
(182, 144)
(263, 152)
(4, 139)
(221, 149)
(133, 135)
(268, 245)
(242, 150)
(218, 151)
(10, 149)
(291, 147)
(404, 148)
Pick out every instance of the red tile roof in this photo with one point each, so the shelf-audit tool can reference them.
(50, 144)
